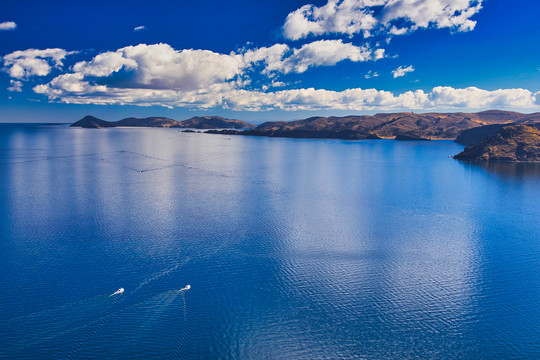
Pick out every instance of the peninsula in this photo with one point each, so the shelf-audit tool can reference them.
(511, 143)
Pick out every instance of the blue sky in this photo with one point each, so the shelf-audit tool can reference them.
(266, 60)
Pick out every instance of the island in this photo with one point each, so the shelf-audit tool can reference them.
(515, 143)
(197, 122)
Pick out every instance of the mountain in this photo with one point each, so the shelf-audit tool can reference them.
(510, 143)
(198, 122)
(392, 125)
(92, 123)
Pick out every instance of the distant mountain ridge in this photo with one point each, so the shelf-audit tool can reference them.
(390, 125)
(400, 126)
(467, 127)
(197, 122)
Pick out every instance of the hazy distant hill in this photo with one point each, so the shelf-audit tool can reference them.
(204, 122)
(510, 143)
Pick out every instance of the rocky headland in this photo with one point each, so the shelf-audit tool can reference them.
(516, 143)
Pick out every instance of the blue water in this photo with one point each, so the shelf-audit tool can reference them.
(295, 249)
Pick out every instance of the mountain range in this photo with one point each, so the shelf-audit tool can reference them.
(466, 127)
(197, 122)
(405, 125)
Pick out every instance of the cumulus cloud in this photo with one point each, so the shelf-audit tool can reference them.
(346, 17)
(32, 62)
(139, 28)
(473, 97)
(149, 75)
(160, 67)
(8, 25)
(16, 86)
(320, 53)
(271, 57)
(372, 99)
(402, 71)
(71, 88)
(396, 17)
(454, 14)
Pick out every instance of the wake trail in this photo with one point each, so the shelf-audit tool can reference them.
(160, 274)
(100, 323)
(183, 334)
(53, 319)
(61, 309)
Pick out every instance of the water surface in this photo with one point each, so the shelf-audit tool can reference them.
(295, 249)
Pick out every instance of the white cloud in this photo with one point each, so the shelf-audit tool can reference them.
(371, 74)
(158, 75)
(453, 14)
(396, 17)
(8, 25)
(346, 17)
(32, 62)
(147, 75)
(70, 89)
(473, 97)
(402, 71)
(271, 57)
(322, 53)
(160, 67)
(278, 84)
(139, 28)
(105, 64)
(16, 86)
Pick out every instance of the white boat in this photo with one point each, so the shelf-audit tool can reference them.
(118, 292)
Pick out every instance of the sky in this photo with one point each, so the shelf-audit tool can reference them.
(265, 60)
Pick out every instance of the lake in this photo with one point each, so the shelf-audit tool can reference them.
(294, 248)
